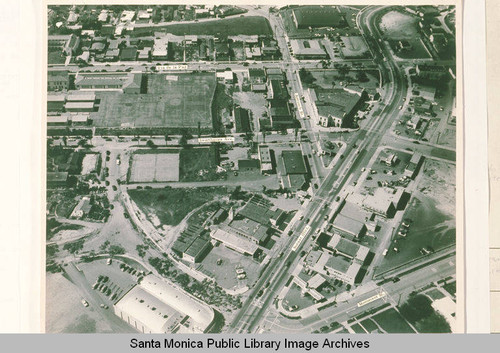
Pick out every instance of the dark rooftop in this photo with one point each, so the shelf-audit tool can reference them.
(294, 162)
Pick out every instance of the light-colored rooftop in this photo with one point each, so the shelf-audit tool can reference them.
(234, 241)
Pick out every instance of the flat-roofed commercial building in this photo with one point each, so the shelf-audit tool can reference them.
(81, 97)
(385, 201)
(157, 306)
(240, 244)
(350, 226)
(307, 49)
(294, 170)
(250, 230)
(338, 267)
(266, 164)
(342, 269)
(348, 249)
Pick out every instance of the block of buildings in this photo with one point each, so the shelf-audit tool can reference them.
(280, 114)
(262, 211)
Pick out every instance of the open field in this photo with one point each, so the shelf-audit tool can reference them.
(392, 322)
(294, 297)
(182, 101)
(397, 25)
(354, 46)
(220, 28)
(171, 205)
(154, 167)
(198, 164)
(370, 326)
(431, 229)
(401, 26)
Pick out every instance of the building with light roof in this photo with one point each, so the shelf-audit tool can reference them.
(158, 306)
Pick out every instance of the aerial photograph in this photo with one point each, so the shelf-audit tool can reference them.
(251, 169)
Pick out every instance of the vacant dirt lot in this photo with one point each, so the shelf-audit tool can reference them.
(154, 167)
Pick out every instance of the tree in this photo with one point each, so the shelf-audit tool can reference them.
(151, 144)
(416, 308)
(434, 323)
(361, 76)
(248, 136)
(343, 70)
(116, 250)
(185, 136)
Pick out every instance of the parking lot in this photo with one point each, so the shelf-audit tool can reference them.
(222, 262)
(383, 174)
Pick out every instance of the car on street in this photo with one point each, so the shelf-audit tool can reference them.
(85, 303)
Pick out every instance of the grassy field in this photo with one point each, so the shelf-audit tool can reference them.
(392, 322)
(358, 329)
(198, 164)
(369, 325)
(171, 205)
(221, 28)
(184, 100)
(451, 288)
(56, 57)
